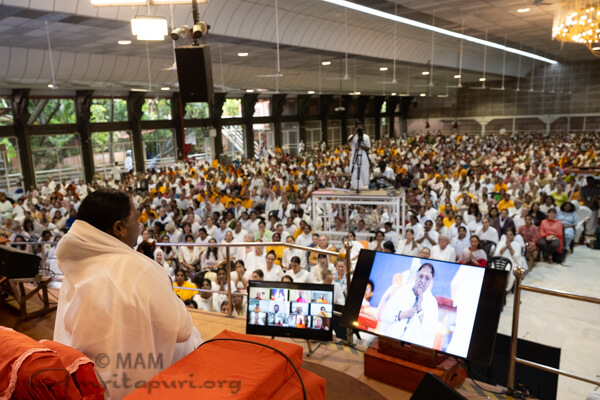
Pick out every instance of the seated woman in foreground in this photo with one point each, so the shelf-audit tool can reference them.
(474, 255)
(115, 301)
(551, 238)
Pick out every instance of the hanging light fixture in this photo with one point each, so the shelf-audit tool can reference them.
(579, 23)
(149, 28)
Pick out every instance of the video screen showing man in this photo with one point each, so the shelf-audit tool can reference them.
(411, 312)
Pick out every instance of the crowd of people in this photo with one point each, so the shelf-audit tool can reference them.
(468, 199)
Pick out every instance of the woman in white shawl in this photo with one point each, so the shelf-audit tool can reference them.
(116, 303)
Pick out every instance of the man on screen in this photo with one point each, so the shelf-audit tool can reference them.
(411, 313)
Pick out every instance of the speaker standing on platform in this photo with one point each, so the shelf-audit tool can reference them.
(359, 158)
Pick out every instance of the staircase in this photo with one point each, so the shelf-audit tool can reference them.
(236, 136)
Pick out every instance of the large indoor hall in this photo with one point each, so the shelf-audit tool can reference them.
(299, 199)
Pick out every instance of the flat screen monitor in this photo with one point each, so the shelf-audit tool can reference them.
(448, 307)
(296, 310)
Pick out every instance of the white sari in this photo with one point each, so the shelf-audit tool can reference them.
(117, 303)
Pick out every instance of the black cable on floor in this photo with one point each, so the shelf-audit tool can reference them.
(268, 347)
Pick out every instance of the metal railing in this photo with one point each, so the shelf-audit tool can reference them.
(347, 247)
(519, 273)
(228, 258)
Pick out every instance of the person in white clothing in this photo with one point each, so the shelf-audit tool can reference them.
(411, 313)
(143, 316)
(510, 248)
(272, 271)
(359, 158)
(339, 296)
(296, 272)
(306, 237)
(428, 238)
(461, 241)
(316, 271)
(487, 232)
(442, 251)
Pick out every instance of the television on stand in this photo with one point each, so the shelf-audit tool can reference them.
(447, 307)
(294, 310)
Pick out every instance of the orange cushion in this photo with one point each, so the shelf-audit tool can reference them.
(314, 386)
(227, 370)
(30, 370)
(81, 369)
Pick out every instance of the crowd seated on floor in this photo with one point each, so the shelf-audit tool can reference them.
(468, 199)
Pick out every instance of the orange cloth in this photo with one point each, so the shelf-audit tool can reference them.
(32, 370)
(81, 369)
(261, 372)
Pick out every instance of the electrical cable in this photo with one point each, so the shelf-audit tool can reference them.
(268, 347)
(517, 394)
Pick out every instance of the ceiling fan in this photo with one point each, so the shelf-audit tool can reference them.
(277, 73)
(430, 84)
(503, 68)
(460, 62)
(483, 79)
(393, 81)
(346, 76)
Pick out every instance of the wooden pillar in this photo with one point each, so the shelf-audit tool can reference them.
(361, 107)
(324, 104)
(248, 102)
(83, 102)
(216, 111)
(135, 101)
(20, 101)
(277, 103)
(177, 112)
(344, 115)
(405, 103)
(302, 102)
(377, 103)
(392, 102)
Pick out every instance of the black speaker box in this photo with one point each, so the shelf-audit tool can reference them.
(540, 384)
(16, 263)
(433, 388)
(194, 71)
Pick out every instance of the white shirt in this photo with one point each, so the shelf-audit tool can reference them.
(426, 242)
(274, 275)
(302, 277)
(448, 254)
(459, 245)
(491, 234)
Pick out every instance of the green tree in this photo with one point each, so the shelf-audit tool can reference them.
(232, 108)
(108, 110)
(51, 111)
(5, 112)
(196, 111)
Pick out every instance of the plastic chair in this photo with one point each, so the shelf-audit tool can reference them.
(504, 264)
(583, 215)
(489, 247)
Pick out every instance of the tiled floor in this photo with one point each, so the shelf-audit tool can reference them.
(573, 326)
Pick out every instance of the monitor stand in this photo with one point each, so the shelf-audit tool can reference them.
(311, 350)
(404, 366)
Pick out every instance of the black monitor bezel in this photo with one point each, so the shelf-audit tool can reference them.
(279, 331)
(487, 317)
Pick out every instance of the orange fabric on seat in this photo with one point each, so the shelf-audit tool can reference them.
(292, 390)
(81, 369)
(30, 370)
(229, 369)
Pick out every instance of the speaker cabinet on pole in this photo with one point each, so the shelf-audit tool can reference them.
(194, 71)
